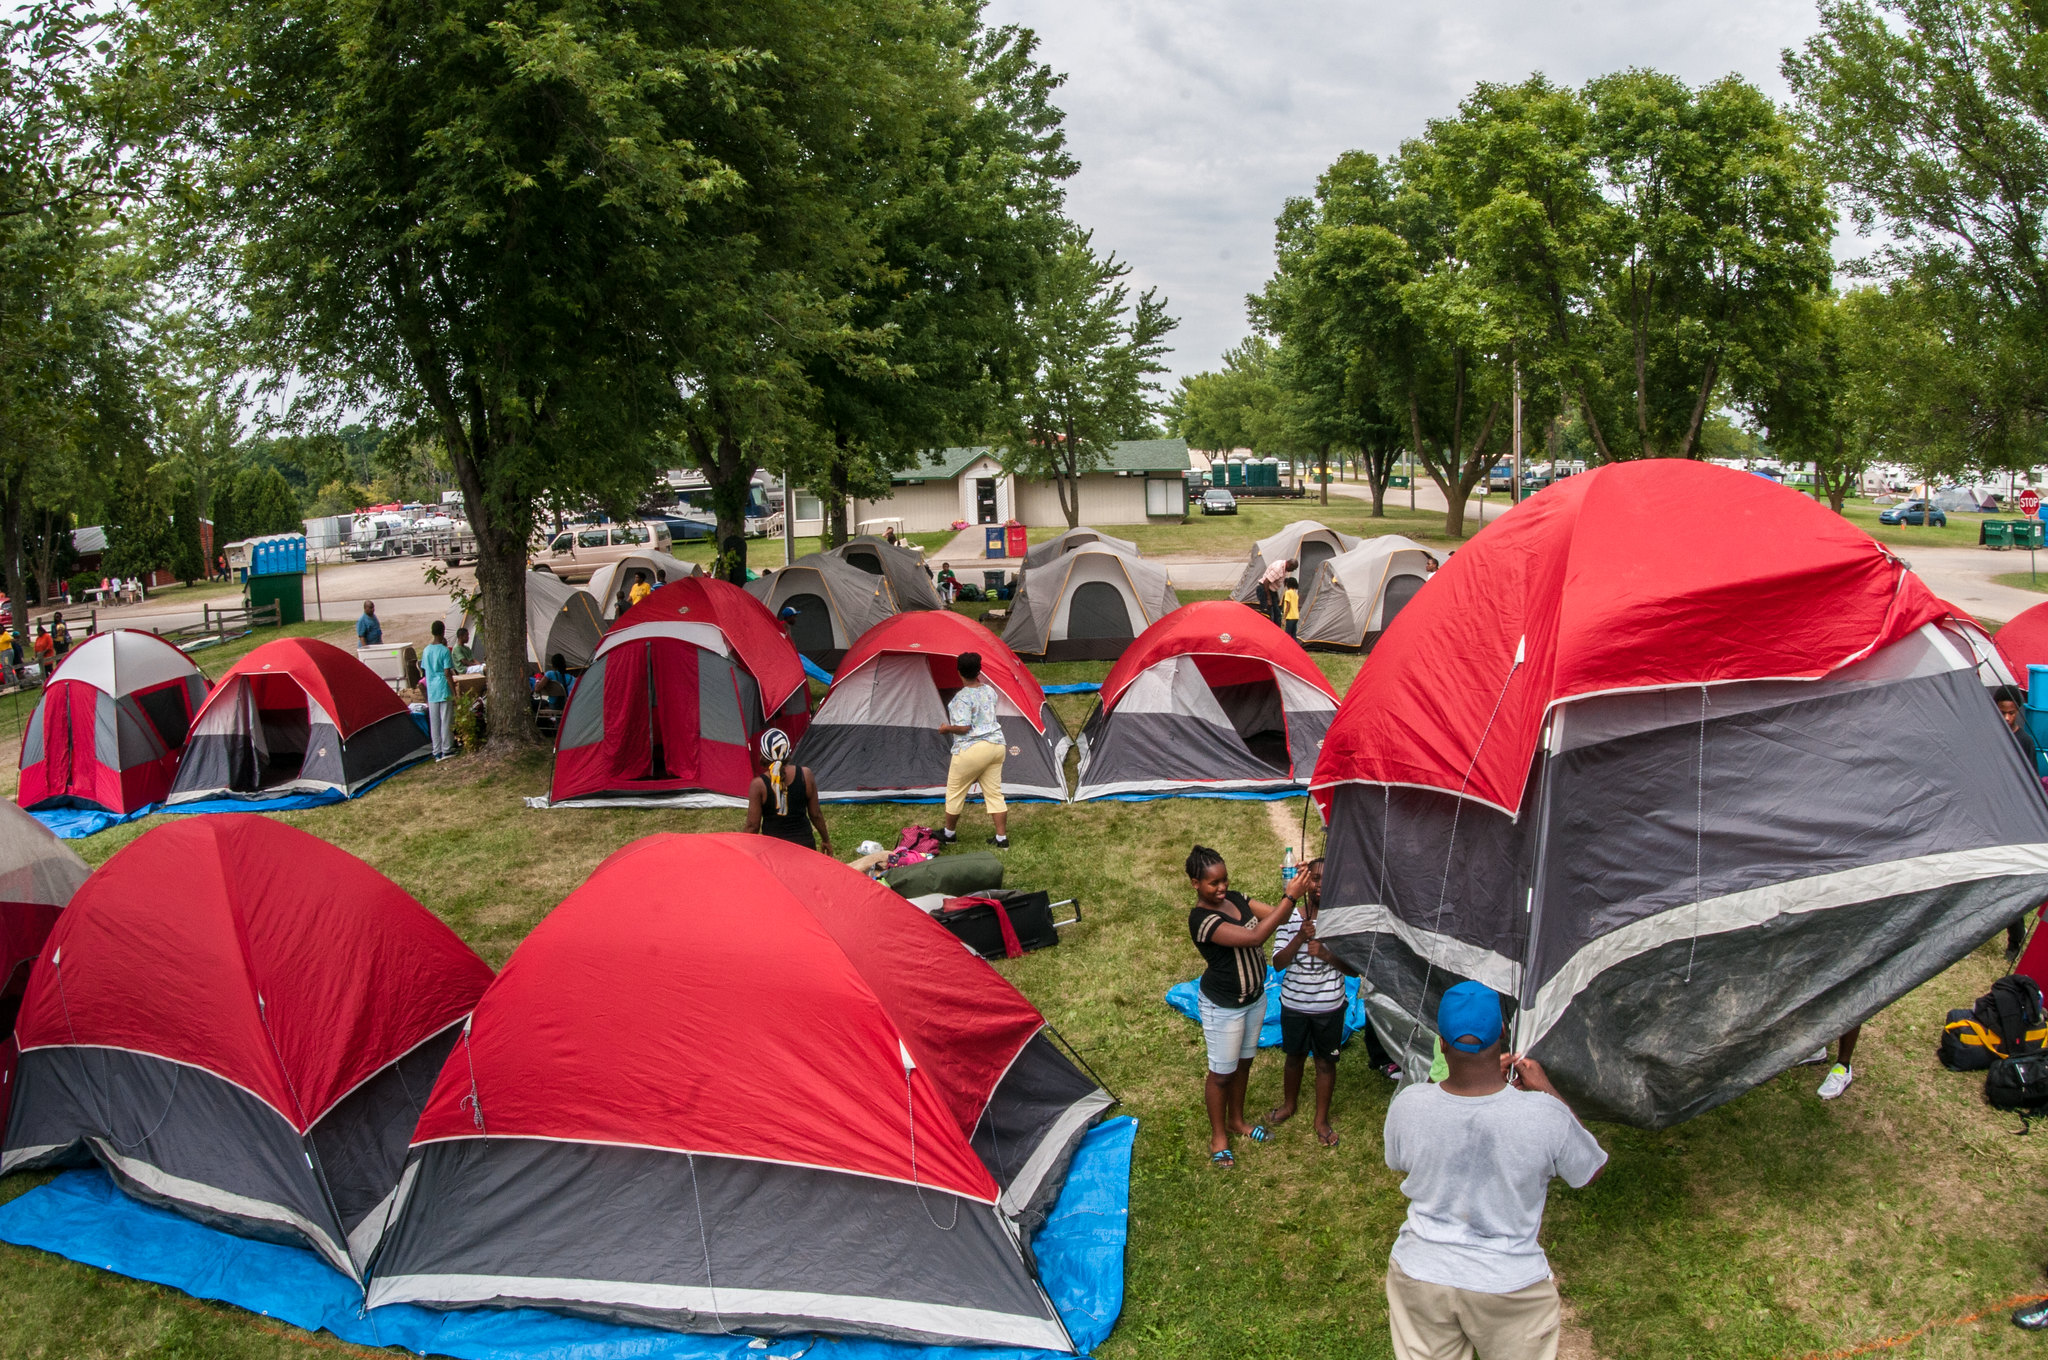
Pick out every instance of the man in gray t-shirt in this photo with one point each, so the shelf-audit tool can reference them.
(1479, 1153)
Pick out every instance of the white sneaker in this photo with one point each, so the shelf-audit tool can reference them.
(1836, 1081)
(1816, 1058)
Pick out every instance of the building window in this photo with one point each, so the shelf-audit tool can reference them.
(1166, 496)
(809, 507)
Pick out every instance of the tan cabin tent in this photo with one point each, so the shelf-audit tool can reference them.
(1354, 596)
(1306, 541)
(825, 603)
(1087, 605)
(1062, 544)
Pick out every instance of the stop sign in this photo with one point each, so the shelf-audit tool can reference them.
(2030, 501)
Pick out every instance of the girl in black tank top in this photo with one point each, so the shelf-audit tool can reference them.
(783, 803)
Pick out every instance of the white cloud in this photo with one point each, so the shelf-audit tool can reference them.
(1195, 119)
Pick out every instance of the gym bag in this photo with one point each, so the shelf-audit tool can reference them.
(2019, 1085)
(2007, 1022)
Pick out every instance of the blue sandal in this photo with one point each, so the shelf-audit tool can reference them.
(1223, 1160)
(1259, 1133)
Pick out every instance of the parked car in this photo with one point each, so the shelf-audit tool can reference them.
(1915, 512)
(575, 554)
(1502, 478)
(1217, 501)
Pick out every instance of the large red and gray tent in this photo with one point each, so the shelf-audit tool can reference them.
(38, 875)
(110, 725)
(1212, 699)
(876, 735)
(241, 1022)
(1305, 541)
(670, 709)
(296, 716)
(776, 1099)
(1087, 605)
(1697, 793)
(825, 603)
(1349, 600)
(1061, 544)
(910, 586)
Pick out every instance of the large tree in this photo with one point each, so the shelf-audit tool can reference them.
(1930, 118)
(479, 219)
(1089, 378)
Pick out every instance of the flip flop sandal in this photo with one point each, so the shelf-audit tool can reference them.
(1259, 1133)
(1331, 1141)
(1222, 1161)
(1281, 1120)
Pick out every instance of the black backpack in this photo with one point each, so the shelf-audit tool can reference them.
(2019, 1085)
(2007, 1022)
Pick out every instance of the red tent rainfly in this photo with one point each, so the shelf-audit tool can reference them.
(1696, 792)
(1213, 699)
(296, 715)
(680, 689)
(876, 736)
(38, 875)
(232, 1017)
(779, 1099)
(2024, 642)
(109, 727)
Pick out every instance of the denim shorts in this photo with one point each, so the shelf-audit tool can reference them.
(1231, 1033)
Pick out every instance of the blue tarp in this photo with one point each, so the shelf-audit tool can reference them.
(1181, 997)
(81, 1215)
(71, 824)
(1080, 687)
(814, 670)
(1249, 795)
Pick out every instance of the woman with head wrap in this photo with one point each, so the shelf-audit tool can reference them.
(783, 800)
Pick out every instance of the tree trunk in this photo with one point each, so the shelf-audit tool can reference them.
(501, 594)
(1699, 409)
(721, 458)
(838, 495)
(1593, 428)
(11, 504)
(1324, 479)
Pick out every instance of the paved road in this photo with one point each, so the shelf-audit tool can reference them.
(405, 604)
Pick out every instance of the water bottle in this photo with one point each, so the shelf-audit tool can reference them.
(1287, 869)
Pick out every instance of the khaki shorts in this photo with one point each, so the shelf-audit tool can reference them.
(1439, 1322)
(981, 762)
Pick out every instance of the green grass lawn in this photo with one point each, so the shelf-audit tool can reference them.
(2025, 580)
(1774, 1227)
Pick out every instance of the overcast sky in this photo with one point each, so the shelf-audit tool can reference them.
(1195, 119)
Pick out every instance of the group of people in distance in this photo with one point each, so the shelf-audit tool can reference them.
(1477, 1148)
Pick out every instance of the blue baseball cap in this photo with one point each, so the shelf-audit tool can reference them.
(1469, 1008)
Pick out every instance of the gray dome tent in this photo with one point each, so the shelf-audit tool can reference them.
(611, 585)
(561, 619)
(1353, 596)
(1305, 539)
(832, 602)
(895, 564)
(1061, 545)
(1087, 605)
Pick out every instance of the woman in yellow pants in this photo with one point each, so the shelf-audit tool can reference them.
(978, 751)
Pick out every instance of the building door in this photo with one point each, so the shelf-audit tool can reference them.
(985, 501)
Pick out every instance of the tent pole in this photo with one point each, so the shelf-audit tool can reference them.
(1532, 903)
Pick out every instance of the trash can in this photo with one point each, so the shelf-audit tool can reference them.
(1016, 542)
(2029, 533)
(994, 541)
(1994, 533)
(287, 591)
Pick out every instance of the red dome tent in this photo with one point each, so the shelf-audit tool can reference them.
(2024, 642)
(782, 1100)
(109, 727)
(679, 690)
(1212, 699)
(38, 875)
(232, 1017)
(876, 735)
(296, 716)
(1697, 794)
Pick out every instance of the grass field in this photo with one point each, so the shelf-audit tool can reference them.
(1776, 1226)
(2024, 580)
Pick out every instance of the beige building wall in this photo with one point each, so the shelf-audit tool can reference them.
(1105, 499)
(924, 509)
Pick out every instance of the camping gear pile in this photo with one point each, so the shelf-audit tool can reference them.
(876, 734)
(1213, 700)
(784, 1102)
(1616, 763)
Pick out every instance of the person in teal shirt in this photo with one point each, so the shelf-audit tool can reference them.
(437, 665)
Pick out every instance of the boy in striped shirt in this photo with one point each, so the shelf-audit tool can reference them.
(1311, 1012)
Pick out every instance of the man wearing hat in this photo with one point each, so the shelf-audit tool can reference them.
(1478, 1150)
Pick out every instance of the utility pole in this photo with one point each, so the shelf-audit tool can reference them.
(1515, 492)
(788, 519)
